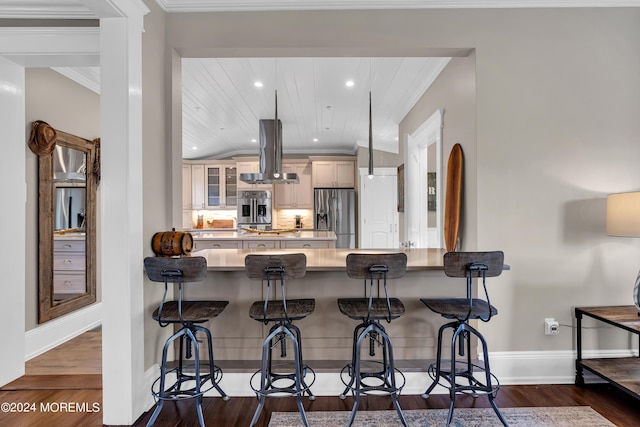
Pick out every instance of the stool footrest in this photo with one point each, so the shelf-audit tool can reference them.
(285, 390)
(175, 390)
(384, 387)
(469, 374)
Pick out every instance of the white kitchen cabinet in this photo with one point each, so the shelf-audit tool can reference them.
(260, 244)
(296, 196)
(187, 220)
(209, 186)
(69, 267)
(333, 173)
(307, 244)
(221, 186)
(250, 167)
(197, 186)
(186, 186)
(216, 244)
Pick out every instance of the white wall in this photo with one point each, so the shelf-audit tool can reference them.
(14, 192)
(71, 108)
(557, 129)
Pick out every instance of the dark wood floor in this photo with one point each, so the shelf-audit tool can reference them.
(80, 384)
(618, 407)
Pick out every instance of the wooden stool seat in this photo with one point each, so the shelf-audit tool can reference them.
(458, 308)
(192, 311)
(358, 308)
(296, 309)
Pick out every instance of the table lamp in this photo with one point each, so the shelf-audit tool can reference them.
(623, 220)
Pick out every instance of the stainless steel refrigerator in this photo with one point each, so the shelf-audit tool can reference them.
(335, 210)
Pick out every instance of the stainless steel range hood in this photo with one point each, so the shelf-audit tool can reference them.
(270, 157)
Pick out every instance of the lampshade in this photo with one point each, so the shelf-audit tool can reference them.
(623, 214)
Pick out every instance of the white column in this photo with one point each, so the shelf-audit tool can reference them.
(124, 389)
(13, 188)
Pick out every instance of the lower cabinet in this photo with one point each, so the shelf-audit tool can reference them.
(263, 244)
(260, 244)
(216, 244)
(307, 244)
(69, 271)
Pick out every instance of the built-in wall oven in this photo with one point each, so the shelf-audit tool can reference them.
(254, 209)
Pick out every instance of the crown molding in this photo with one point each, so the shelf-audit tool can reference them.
(51, 46)
(70, 9)
(88, 77)
(266, 5)
(43, 9)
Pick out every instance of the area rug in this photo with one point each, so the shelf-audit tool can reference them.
(570, 416)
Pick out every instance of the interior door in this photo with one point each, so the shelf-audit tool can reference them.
(378, 212)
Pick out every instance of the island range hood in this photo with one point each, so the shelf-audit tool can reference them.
(270, 155)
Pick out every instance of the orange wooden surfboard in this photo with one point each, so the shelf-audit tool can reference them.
(453, 198)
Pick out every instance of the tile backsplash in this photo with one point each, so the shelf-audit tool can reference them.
(286, 218)
(209, 216)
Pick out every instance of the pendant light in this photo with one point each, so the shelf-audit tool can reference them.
(370, 141)
(370, 128)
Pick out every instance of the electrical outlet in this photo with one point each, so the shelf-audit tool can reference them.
(551, 326)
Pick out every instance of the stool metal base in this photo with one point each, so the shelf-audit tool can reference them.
(384, 379)
(280, 384)
(195, 380)
(463, 371)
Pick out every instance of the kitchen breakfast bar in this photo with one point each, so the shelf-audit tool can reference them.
(326, 333)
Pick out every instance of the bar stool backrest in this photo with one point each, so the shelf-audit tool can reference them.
(189, 269)
(292, 266)
(359, 266)
(475, 264)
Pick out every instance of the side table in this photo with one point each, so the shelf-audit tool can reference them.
(622, 372)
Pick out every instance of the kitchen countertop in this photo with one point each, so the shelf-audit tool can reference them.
(235, 235)
(319, 259)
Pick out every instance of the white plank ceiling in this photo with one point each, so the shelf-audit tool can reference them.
(319, 112)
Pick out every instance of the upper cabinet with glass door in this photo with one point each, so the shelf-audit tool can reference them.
(213, 185)
(220, 186)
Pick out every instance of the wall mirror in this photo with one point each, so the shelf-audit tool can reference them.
(67, 226)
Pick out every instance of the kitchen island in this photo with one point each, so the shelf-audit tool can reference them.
(263, 240)
(326, 333)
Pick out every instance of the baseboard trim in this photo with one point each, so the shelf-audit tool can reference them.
(57, 331)
(511, 368)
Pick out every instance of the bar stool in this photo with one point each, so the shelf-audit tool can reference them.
(461, 375)
(370, 311)
(189, 383)
(277, 380)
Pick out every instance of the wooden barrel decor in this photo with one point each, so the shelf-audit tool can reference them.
(172, 243)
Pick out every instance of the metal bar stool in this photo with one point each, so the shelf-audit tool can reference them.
(190, 380)
(370, 311)
(462, 374)
(277, 380)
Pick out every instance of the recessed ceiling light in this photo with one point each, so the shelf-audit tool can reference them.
(253, 140)
(349, 83)
(194, 148)
(315, 139)
(258, 84)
